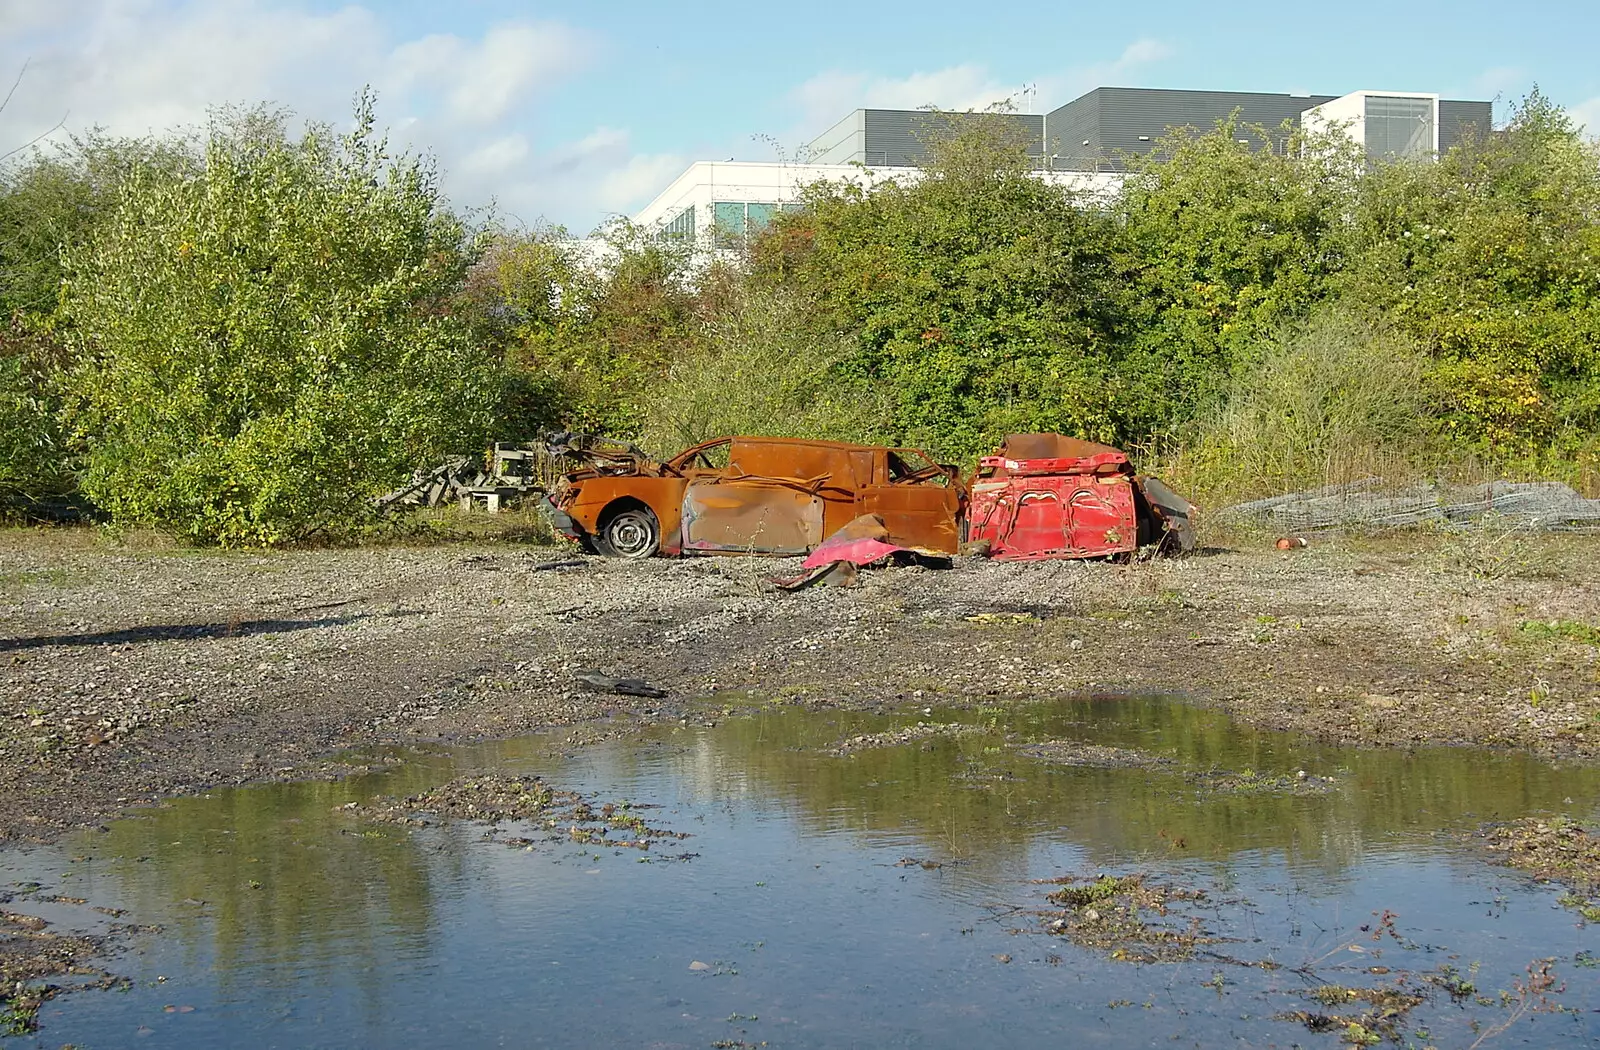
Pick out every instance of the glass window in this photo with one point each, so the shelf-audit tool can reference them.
(728, 216)
(1399, 127)
(681, 228)
(757, 216)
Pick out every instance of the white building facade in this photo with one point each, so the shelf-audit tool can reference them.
(716, 204)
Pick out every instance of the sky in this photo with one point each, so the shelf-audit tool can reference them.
(567, 113)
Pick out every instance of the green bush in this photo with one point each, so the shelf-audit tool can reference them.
(760, 370)
(266, 343)
(34, 460)
(979, 297)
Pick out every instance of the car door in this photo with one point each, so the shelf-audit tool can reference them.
(918, 508)
(763, 502)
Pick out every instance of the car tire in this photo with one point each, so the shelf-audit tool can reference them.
(633, 532)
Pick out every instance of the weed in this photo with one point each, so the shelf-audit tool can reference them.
(1554, 630)
(1535, 994)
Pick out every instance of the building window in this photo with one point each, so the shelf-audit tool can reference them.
(728, 219)
(681, 228)
(1399, 127)
(757, 216)
(733, 220)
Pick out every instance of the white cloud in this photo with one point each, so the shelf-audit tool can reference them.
(481, 80)
(1499, 80)
(1588, 115)
(831, 94)
(1061, 87)
(639, 179)
(140, 66)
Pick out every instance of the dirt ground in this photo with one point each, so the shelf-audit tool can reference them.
(128, 674)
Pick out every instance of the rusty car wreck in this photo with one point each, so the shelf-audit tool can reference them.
(755, 495)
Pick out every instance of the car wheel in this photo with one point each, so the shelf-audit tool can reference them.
(631, 533)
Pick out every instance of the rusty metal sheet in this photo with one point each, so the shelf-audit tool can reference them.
(769, 495)
(753, 517)
(916, 515)
(1049, 496)
(1062, 516)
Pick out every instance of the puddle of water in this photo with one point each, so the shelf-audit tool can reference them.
(289, 923)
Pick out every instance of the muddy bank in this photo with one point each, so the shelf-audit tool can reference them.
(128, 675)
(31, 955)
(1557, 851)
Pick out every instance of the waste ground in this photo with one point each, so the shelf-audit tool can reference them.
(128, 675)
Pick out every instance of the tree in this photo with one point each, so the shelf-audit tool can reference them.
(1491, 257)
(51, 201)
(590, 328)
(979, 295)
(267, 341)
(1221, 242)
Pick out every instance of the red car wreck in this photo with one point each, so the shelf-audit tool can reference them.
(1049, 496)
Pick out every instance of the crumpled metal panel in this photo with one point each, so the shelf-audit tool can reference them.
(751, 517)
(769, 495)
(1055, 516)
(922, 516)
(1050, 496)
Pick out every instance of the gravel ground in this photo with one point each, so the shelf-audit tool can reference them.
(130, 674)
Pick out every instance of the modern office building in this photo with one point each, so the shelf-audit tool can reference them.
(1393, 124)
(1101, 129)
(1084, 146)
(1105, 127)
(716, 203)
(899, 138)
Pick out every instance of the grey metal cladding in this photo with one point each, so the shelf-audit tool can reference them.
(1133, 119)
(1072, 133)
(1119, 121)
(896, 137)
(841, 143)
(1459, 120)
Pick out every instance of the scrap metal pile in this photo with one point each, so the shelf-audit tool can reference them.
(515, 472)
(1040, 496)
(1535, 506)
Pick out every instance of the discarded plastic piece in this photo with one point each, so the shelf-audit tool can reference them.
(596, 682)
(1051, 496)
(1289, 543)
(756, 495)
(863, 541)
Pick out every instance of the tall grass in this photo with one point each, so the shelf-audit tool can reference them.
(762, 370)
(1336, 398)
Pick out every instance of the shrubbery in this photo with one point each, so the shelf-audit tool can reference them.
(267, 342)
(254, 333)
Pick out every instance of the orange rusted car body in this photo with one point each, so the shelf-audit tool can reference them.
(757, 495)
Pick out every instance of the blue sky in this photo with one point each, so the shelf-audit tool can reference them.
(568, 112)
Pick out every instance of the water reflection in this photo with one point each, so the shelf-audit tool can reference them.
(291, 921)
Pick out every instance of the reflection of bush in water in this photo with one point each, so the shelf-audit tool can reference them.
(970, 794)
(278, 880)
